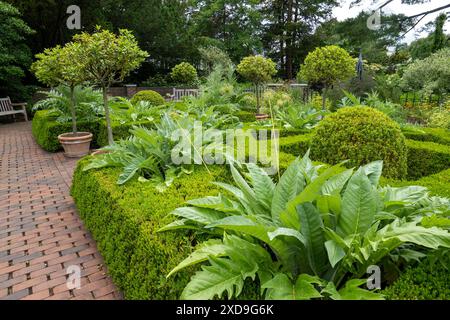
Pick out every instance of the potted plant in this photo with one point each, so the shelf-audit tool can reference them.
(104, 58)
(54, 67)
(257, 70)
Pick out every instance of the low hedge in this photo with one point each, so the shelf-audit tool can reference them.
(426, 158)
(246, 116)
(46, 130)
(124, 221)
(427, 281)
(438, 135)
(120, 130)
(295, 145)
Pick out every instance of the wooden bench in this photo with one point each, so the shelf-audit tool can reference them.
(178, 94)
(7, 108)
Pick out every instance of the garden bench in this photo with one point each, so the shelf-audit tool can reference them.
(178, 94)
(7, 108)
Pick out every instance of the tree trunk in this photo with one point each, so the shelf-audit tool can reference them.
(72, 110)
(258, 98)
(289, 39)
(324, 98)
(108, 121)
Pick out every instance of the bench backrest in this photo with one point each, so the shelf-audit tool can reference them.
(5, 104)
(180, 93)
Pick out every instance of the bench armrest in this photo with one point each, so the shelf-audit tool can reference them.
(19, 104)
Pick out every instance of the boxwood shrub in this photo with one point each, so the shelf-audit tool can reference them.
(124, 220)
(361, 135)
(426, 158)
(46, 130)
(438, 135)
(427, 281)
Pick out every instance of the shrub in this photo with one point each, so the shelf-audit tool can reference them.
(437, 135)
(184, 73)
(45, 130)
(153, 97)
(440, 119)
(295, 145)
(124, 221)
(120, 130)
(427, 281)
(361, 135)
(425, 158)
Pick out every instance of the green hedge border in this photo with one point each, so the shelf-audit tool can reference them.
(437, 135)
(46, 129)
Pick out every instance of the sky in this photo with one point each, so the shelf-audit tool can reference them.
(343, 12)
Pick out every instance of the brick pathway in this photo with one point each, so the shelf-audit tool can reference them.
(40, 231)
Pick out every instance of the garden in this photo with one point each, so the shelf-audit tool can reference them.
(334, 184)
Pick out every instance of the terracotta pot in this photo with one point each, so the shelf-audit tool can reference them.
(261, 116)
(75, 145)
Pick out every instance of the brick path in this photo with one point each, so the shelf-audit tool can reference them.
(40, 231)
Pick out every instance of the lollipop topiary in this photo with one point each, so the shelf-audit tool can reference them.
(361, 135)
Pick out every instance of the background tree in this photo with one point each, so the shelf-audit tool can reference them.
(440, 39)
(57, 66)
(15, 56)
(430, 75)
(289, 30)
(212, 56)
(325, 66)
(104, 59)
(257, 70)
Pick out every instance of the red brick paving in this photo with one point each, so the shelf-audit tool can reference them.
(41, 233)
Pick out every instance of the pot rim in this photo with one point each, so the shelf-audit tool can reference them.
(81, 135)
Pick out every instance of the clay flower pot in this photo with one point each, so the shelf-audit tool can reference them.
(75, 145)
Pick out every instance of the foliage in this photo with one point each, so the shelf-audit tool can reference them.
(150, 96)
(129, 111)
(310, 236)
(392, 110)
(256, 69)
(124, 221)
(15, 55)
(299, 116)
(148, 152)
(212, 56)
(104, 58)
(87, 101)
(388, 86)
(425, 158)
(427, 281)
(276, 99)
(327, 65)
(430, 75)
(360, 134)
(439, 119)
(316, 101)
(184, 73)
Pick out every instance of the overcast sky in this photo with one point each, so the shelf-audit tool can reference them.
(343, 12)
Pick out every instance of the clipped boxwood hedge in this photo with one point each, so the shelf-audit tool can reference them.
(428, 281)
(46, 130)
(426, 158)
(438, 135)
(295, 145)
(124, 221)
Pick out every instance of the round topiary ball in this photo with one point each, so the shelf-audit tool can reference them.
(153, 97)
(361, 135)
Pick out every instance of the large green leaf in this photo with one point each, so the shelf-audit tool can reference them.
(199, 215)
(263, 186)
(334, 251)
(280, 287)
(359, 205)
(312, 230)
(289, 185)
(352, 291)
(222, 275)
(373, 171)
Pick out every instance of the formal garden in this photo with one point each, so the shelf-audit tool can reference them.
(352, 201)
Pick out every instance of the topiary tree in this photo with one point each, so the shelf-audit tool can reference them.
(326, 66)
(361, 135)
(56, 66)
(212, 56)
(105, 58)
(184, 73)
(258, 70)
(153, 97)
